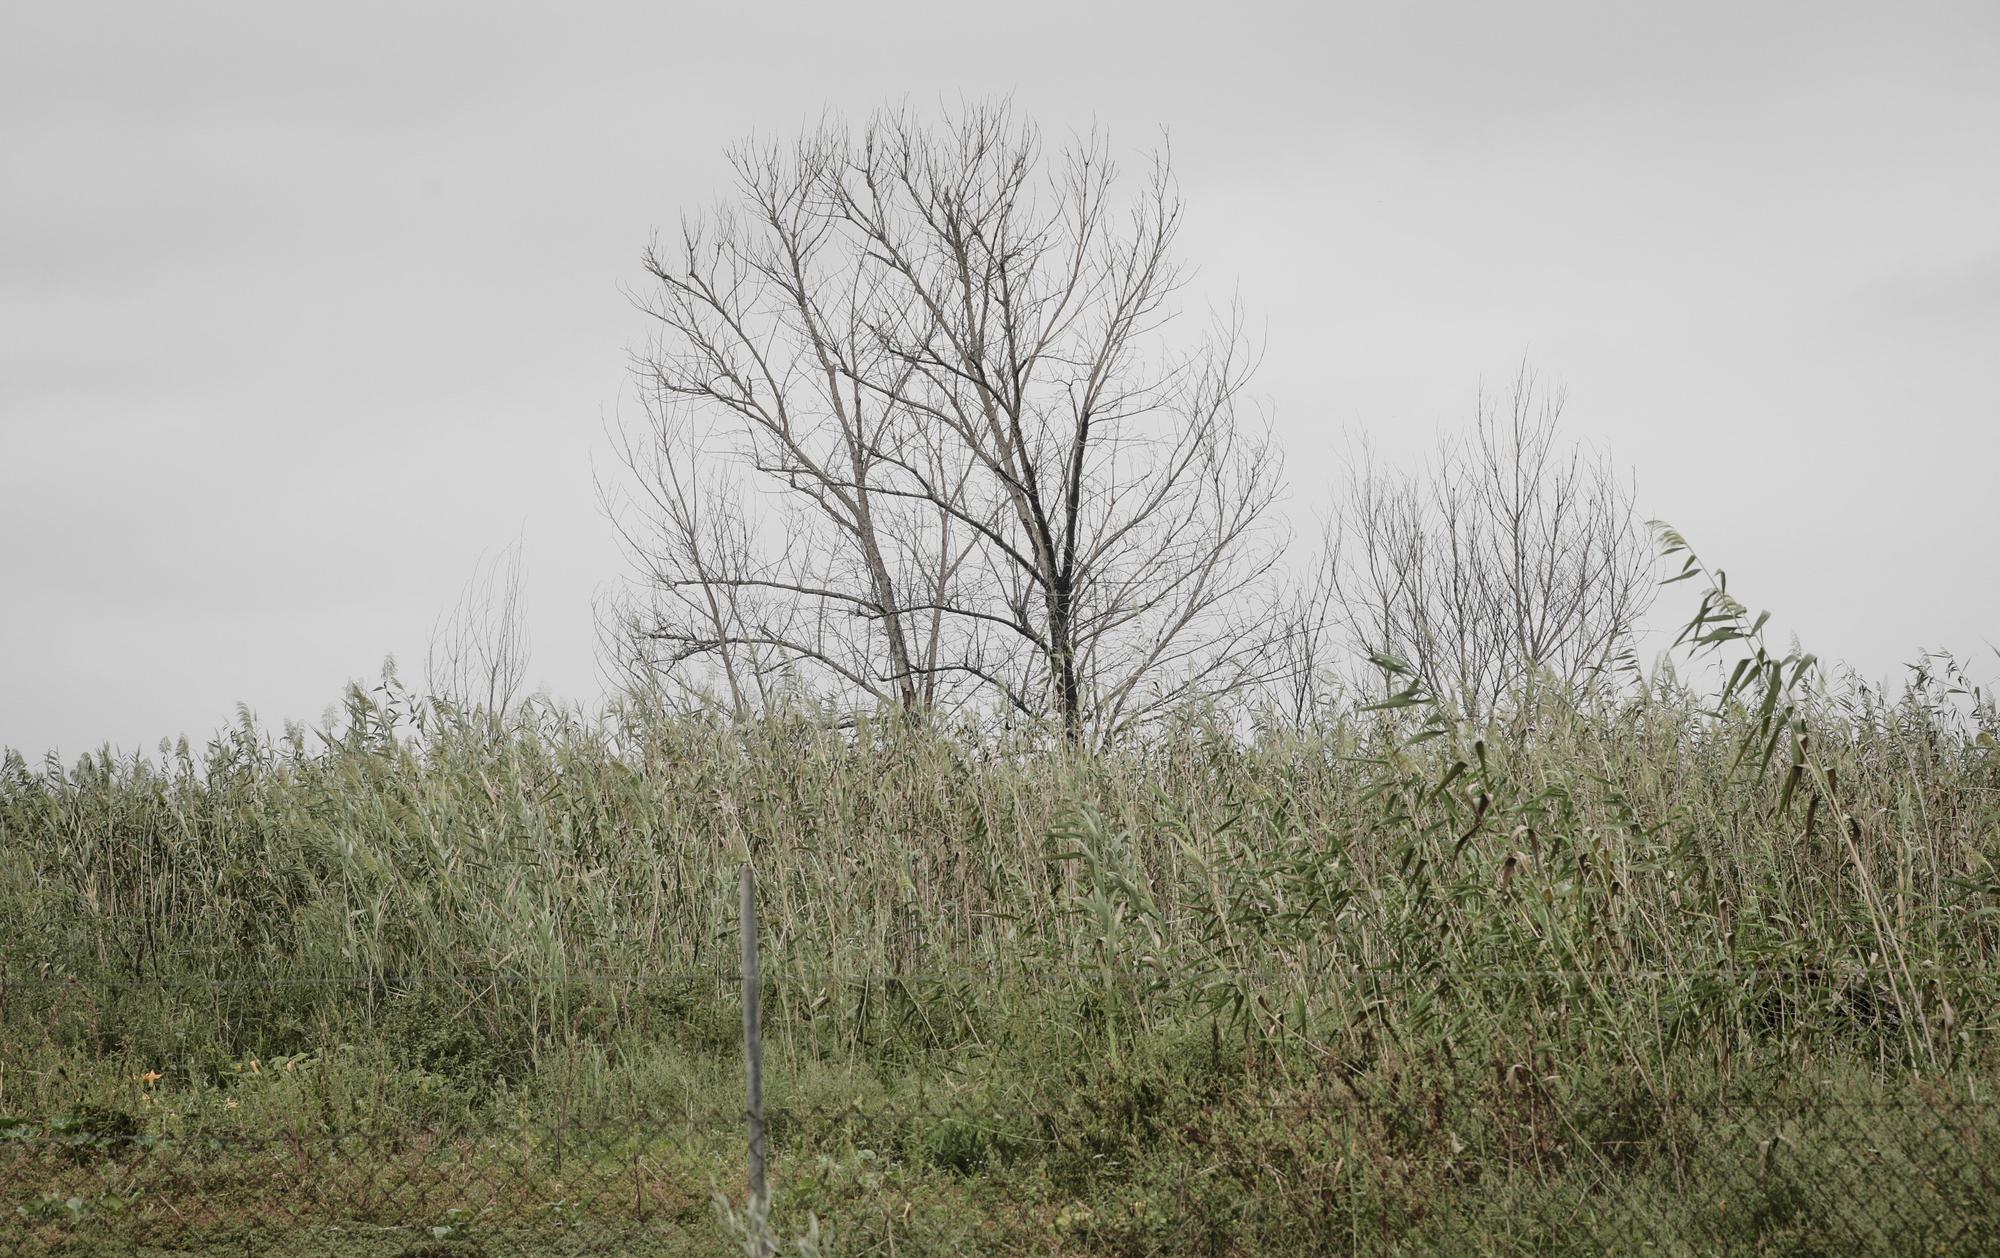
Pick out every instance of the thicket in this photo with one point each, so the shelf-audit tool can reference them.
(1434, 935)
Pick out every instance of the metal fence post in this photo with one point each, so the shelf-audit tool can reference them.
(753, 1047)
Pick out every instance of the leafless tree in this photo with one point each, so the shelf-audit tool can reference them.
(1512, 557)
(478, 657)
(920, 430)
(1310, 651)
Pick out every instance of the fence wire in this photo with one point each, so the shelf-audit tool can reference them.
(1799, 1176)
(1364, 1154)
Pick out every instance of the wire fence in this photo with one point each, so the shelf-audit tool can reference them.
(1796, 1176)
(432, 1115)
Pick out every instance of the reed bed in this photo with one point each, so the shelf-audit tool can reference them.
(985, 952)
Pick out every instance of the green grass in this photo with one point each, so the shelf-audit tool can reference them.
(1648, 970)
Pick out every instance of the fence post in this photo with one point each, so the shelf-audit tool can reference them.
(753, 1046)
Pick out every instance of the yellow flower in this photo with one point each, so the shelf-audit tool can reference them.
(150, 1078)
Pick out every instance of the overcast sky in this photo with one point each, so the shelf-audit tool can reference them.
(304, 307)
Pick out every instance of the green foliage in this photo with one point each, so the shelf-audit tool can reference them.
(437, 1030)
(1396, 975)
(85, 1135)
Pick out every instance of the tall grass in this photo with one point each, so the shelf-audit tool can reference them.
(1486, 957)
(1590, 834)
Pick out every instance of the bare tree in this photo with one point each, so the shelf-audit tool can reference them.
(478, 657)
(1512, 557)
(918, 430)
(1308, 654)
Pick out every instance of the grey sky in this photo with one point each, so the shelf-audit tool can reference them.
(303, 307)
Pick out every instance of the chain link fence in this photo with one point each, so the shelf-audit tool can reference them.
(440, 1115)
(1798, 1176)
